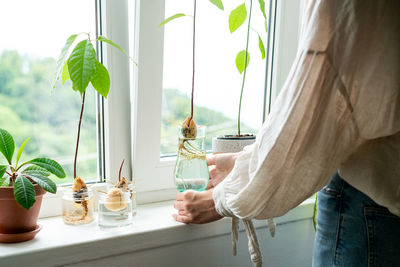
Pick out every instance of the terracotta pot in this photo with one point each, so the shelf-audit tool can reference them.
(14, 218)
(231, 143)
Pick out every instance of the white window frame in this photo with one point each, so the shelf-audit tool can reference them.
(283, 46)
(132, 112)
(117, 107)
(154, 174)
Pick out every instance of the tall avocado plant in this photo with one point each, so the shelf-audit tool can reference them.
(237, 18)
(79, 63)
(189, 127)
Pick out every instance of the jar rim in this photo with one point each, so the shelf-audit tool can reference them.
(67, 189)
(103, 196)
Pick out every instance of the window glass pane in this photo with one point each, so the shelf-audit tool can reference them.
(217, 81)
(34, 33)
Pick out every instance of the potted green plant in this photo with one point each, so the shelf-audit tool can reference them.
(236, 142)
(22, 187)
(78, 62)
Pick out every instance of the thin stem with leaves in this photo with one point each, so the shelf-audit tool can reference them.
(193, 56)
(245, 66)
(79, 132)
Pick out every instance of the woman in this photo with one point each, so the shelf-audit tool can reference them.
(339, 110)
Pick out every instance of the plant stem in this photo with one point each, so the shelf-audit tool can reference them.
(12, 179)
(19, 167)
(245, 66)
(120, 170)
(79, 132)
(193, 55)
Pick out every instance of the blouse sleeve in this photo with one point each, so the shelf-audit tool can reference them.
(308, 132)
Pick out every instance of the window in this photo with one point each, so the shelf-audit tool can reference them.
(33, 34)
(217, 81)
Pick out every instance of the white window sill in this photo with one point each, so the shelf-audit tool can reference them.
(153, 227)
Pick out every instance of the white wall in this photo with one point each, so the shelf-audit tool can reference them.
(292, 246)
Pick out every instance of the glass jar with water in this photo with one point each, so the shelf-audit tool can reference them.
(191, 168)
(77, 207)
(115, 209)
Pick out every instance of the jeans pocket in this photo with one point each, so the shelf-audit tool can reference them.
(335, 186)
(332, 191)
(383, 237)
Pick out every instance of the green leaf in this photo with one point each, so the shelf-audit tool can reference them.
(7, 145)
(21, 149)
(237, 17)
(24, 192)
(218, 3)
(262, 8)
(63, 57)
(179, 15)
(3, 169)
(266, 26)
(261, 46)
(240, 61)
(38, 170)
(101, 80)
(108, 41)
(43, 181)
(49, 165)
(82, 65)
(65, 74)
(3, 181)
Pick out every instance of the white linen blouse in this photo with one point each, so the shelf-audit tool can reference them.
(339, 109)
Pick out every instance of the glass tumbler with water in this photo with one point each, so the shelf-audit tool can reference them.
(191, 168)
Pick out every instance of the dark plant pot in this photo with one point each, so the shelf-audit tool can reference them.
(14, 219)
(231, 143)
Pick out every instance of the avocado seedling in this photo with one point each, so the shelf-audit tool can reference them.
(115, 200)
(191, 152)
(189, 127)
(237, 18)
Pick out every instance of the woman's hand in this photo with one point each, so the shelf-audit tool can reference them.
(199, 207)
(220, 166)
(195, 207)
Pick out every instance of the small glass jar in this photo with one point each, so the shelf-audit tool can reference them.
(77, 208)
(115, 209)
(191, 168)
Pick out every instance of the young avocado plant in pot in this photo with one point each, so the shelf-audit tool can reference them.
(79, 63)
(236, 142)
(22, 187)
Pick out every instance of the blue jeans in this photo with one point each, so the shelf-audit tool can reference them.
(354, 231)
